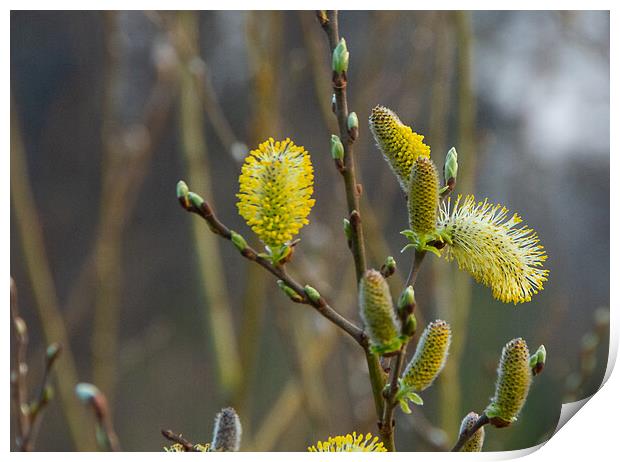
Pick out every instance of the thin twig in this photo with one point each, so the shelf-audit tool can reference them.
(217, 227)
(179, 439)
(329, 23)
(468, 433)
(19, 395)
(36, 411)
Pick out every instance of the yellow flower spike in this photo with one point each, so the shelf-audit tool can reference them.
(423, 197)
(349, 443)
(400, 145)
(475, 443)
(275, 189)
(514, 377)
(377, 311)
(493, 249)
(430, 356)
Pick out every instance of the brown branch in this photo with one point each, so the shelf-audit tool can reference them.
(179, 439)
(467, 434)
(329, 23)
(320, 304)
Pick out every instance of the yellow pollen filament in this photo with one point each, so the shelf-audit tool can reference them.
(493, 249)
(349, 443)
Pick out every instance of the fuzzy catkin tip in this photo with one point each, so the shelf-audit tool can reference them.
(430, 356)
(423, 197)
(227, 431)
(377, 312)
(474, 444)
(400, 145)
(514, 377)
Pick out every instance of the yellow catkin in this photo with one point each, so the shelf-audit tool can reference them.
(400, 145)
(475, 443)
(514, 377)
(377, 311)
(423, 197)
(349, 443)
(430, 356)
(494, 249)
(275, 190)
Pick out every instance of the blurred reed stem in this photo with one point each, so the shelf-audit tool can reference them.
(263, 56)
(458, 283)
(108, 253)
(43, 289)
(219, 326)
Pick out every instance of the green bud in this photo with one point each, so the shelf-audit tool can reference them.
(195, 199)
(430, 356)
(290, 293)
(48, 394)
(340, 57)
(86, 391)
(312, 294)
(20, 326)
(348, 232)
(410, 326)
(352, 122)
(377, 312)
(474, 444)
(337, 148)
(406, 301)
(514, 377)
(53, 351)
(183, 193)
(389, 267)
(537, 360)
(227, 431)
(451, 165)
(238, 241)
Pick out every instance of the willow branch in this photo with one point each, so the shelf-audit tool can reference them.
(329, 23)
(179, 439)
(467, 434)
(320, 304)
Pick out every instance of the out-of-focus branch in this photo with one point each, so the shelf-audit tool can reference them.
(290, 399)
(220, 328)
(263, 34)
(28, 415)
(19, 393)
(43, 398)
(459, 281)
(92, 396)
(42, 283)
(126, 160)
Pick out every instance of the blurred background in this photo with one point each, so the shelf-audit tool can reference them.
(109, 110)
